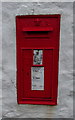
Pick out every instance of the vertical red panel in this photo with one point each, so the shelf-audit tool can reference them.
(37, 32)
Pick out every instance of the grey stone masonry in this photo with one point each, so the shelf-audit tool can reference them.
(10, 108)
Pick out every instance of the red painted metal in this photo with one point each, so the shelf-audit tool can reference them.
(37, 32)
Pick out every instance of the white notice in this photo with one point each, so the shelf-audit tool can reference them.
(37, 77)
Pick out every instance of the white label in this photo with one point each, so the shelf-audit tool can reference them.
(37, 58)
(37, 76)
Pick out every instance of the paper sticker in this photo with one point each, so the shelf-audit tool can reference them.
(37, 57)
(37, 76)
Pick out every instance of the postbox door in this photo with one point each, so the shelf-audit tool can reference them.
(37, 77)
(37, 58)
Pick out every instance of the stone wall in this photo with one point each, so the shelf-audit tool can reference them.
(0, 60)
(11, 109)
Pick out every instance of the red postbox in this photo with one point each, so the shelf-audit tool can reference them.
(37, 41)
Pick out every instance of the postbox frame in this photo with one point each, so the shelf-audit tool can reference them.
(53, 100)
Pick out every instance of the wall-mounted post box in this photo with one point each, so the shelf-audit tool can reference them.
(37, 58)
